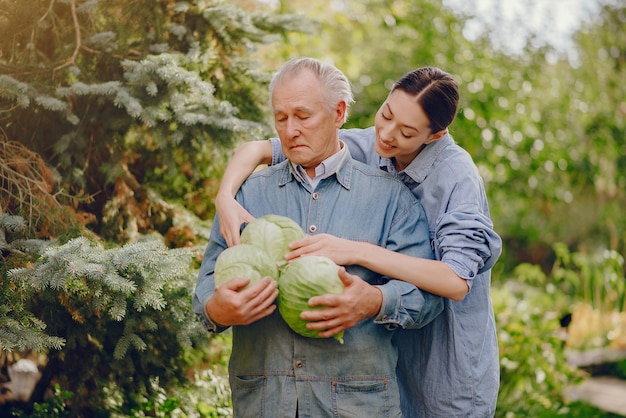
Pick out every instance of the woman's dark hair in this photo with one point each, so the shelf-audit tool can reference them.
(435, 91)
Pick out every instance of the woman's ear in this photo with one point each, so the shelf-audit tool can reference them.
(436, 136)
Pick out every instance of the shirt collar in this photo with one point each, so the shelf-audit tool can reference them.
(421, 165)
(325, 169)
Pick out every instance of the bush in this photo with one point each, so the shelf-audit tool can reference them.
(533, 368)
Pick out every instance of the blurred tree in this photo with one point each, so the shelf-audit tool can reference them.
(551, 150)
(527, 117)
(600, 104)
(115, 115)
(128, 98)
(374, 42)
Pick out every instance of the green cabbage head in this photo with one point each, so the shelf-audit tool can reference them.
(273, 234)
(298, 282)
(244, 260)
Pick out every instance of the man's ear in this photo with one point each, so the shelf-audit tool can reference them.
(436, 136)
(340, 112)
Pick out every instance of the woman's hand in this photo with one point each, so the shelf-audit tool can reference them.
(229, 212)
(342, 251)
(230, 215)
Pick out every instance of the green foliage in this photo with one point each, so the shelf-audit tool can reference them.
(534, 370)
(206, 395)
(573, 410)
(20, 329)
(595, 285)
(120, 96)
(212, 396)
(123, 312)
(590, 288)
(546, 132)
(53, 407)
(548, 129)
(595, 279)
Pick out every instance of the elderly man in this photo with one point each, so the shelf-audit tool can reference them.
(275, 372)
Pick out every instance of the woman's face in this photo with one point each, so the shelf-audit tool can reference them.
(402, 129)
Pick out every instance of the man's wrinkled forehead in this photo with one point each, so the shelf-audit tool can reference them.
(298, 92)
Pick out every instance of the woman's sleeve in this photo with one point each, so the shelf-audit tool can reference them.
(360, 142)
(467, 241)
(277, 151)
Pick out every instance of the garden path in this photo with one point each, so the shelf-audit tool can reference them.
(604, 392)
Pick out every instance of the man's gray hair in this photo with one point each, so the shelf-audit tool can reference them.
(334, 82)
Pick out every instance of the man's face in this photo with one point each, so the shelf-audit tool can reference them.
(307, 129)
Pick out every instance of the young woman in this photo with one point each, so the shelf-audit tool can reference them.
(449, 368)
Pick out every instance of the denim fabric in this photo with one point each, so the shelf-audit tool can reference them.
(449, 368)
(272, 370)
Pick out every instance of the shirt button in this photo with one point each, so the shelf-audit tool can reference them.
(315, 196)
(312, 228)
(299, 364)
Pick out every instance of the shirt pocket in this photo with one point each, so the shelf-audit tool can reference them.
(364, 399)
(248, 395)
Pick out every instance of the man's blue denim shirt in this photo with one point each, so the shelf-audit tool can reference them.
(272, 370)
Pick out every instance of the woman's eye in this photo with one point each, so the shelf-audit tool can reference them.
(405, 135)
(385, 116)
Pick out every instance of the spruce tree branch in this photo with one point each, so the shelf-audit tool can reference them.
(26, 179)
(3, 239)
(72, 59)
(133, 183)
(10, 109)
(42, 18)
(143, 194)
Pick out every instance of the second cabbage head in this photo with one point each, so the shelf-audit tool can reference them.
(273, 234)
(298, 282)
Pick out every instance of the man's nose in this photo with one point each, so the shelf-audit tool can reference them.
(293, 127)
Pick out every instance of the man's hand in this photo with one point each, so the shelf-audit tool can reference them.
(359, 301)
(231, 304)
(231, 215)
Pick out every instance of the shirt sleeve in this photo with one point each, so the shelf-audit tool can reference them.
(404, 305)
(360, 142)
(277, 151)
(467, 241)
(205, 285)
